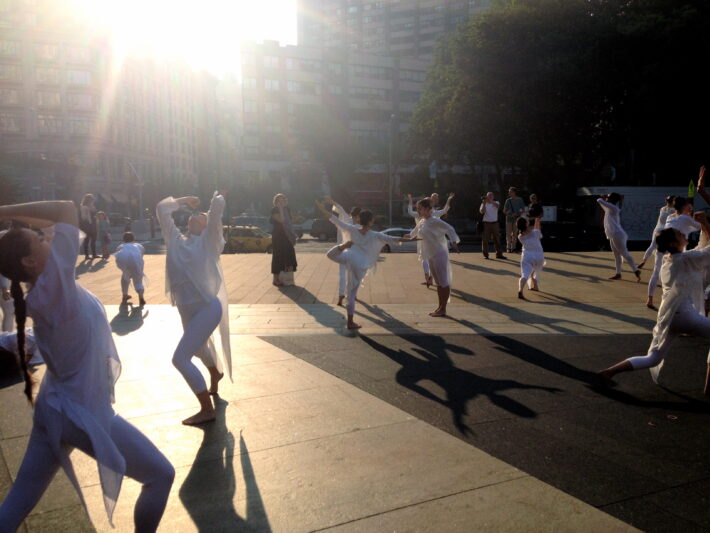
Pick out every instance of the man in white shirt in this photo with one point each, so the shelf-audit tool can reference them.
(489, 209)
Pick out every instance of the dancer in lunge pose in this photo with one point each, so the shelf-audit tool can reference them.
(352, 218)
(616, 234)
(438, 213)
(435, 248)
(129, 258)
(73, 408)
(195, 284)
(358, 254)
(681, 220)
(682, 277)
(532, 259)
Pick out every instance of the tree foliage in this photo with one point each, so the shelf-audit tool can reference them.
(565, 89)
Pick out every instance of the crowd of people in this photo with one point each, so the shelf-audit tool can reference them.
(71, 333)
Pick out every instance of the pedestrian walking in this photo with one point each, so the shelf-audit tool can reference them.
(87, 224)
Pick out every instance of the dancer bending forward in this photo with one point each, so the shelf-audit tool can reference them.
(616, 234)
(129, 258)
(435, 248)
(195, 284)
(73, 408)
(358, 255)
(533, 258)
(682, 278)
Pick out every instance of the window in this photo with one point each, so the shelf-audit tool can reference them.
(79, 54)
(49, 124)
(249, 106)
(79, 126)
(48, 99)
(371, 71)
(272, 107)
(80, 101)
(271, 61)
(352, 9)
(9, 48)
(79, 77)
(368, 92)
(249, 83)
(293, 86)
(10, 123)
(46, 51)
(271, 85)
(9, 97)
(336, 68)
(9, 73)
(413, 75)
(335, 89)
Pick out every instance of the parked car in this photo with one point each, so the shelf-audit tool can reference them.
(243, 239)
(260, 222)
(323, 230)
(401, 247)
(117, 219)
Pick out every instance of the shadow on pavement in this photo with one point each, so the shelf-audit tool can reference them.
(323, 314)
(129, 318)
(89, 266)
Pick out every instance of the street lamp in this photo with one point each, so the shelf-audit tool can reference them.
(389, 167)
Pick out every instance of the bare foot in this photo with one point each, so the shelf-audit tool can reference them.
(141, 302)
(637, 273)
(641, 264)
(616, 276)
(437, 314)
(353, 325)
(535, 288)
(520, 295)
(278, 284)
(215, 378)
(605, 380)
(125, 299)
(201, 417)
(340, 301)
(428, 281)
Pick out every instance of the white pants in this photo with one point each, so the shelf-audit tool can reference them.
(8, 314)
(198, 322)
(531, 264)
(425, 267)
(687, 320)
(439, 265)
(618, 246)
(354, 279)
(653, 280)
(342, 272)
(144, 463)
(132, 270)
(650, 249)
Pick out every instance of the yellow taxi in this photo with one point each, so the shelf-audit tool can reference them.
(242, 239)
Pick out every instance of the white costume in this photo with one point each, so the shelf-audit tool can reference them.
(435, 247)
(8, 341)
(343, 236)
(683, 223)
(7, 307)
(682, 278)
(360, 257)
(616, 234)
(129, 258)
(73, 407)
(438, 213)
(660, 224)
(533, 258)
(195, 284)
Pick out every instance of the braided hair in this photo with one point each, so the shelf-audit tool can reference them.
(15, 245)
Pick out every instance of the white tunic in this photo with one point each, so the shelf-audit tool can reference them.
(438, 213)
(74, 336)
(366, 248)
(129, 257)
(193, 272)
(433, 232)
(683, 223)
(663, 214)
(533, 258)
(612, 220)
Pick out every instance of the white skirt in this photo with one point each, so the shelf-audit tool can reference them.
(441, 268)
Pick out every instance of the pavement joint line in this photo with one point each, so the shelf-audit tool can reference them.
(428, 500)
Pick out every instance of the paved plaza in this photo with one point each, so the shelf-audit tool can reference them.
(484, 421)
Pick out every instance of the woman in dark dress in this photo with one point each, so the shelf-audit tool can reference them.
(282, 239)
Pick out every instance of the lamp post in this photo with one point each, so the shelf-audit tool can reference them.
(389, 167)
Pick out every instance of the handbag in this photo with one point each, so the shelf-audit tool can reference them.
(287, 278)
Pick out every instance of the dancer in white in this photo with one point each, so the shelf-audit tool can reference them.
(129, 258)
(74, 406)
(616, 234)
(435, 248)
(195, 284)
(358, 254)
(681, 220)
(682, 277)
(438, 213)
(353, 218)
(532, 259)
(663, 214)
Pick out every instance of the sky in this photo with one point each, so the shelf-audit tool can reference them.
(204, 32)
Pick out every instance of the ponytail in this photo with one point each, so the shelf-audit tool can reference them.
(20, 318)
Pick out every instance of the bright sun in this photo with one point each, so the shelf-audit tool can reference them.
(205, 32)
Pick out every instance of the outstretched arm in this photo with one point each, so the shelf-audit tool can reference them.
(337, 208)
(215, 233)
(410, 208)
(441, 212)
(701, 185)
(538, 223)
(164, 211)
(41, 214)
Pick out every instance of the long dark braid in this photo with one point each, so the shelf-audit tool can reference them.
(14, 245)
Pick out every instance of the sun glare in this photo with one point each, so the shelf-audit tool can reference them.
(206, 33)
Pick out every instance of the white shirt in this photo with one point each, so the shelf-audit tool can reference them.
(612, 219)
(663, 214)
(433, 232)
(490, 211)
(343, 236)
(531, 241)
(682, 223)
(129, 256)
(366, 248)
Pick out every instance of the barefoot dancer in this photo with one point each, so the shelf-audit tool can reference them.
(435, 248)
(73, 408)
(129, 258)
(359, 254)
(195, 284)
(354, 219)
(682, 277)
(532, 259)
(438, 213)
(616, 234)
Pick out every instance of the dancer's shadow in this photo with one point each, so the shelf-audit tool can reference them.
(483, 269)
(323, 314)
(129, 318)
(90, 266)
(210, 488)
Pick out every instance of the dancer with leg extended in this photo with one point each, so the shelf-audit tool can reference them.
(616, 234)
(358, 255)
(682, 277)
(352, 218)
(195, 284)
(74, 406)
(532, 259)
(435, 247)
(129, 258)
(438, 213)
(666, 210)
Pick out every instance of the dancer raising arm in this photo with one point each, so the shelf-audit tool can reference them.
(532, 259)
(354, 219)
(435, 248)
(616, 234)
(438, 213)
(358, 254)
(195, 284)
(73, 408)
(682, 278)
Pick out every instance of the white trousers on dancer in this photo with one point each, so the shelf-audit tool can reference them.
(126, 279)
(343, 273)
(425, 267)
(144, 463)
(439, 264)
(686, 320)
(618, 246)
(199, 320)
(650, 249)
(8, 314)
(355, 276)
(653, 281)
(531, 264)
